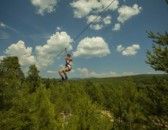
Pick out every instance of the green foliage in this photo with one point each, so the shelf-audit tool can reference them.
(158, 57)
(166, 1)
(155, 99)
(125, 106)
(10, 68)
(125, 103)
(33, 78)
(76, 110)
(43, 114)
(155, 103)
(11, 78)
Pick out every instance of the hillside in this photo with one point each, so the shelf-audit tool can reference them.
(88, 104)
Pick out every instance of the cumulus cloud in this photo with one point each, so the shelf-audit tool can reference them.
(2, 25)
(127, 12)
(97, 22)
(128, 73)
(107, 20)
(93, 19)
(117, 27)
(92, 47)
(86, 73)
(113, 6)
(45, 54)
(96, 26)
(58, 28)
(44, 6)
(90, 10)
(51, 72)
(83, 8)
(20, 50)
(128, 51)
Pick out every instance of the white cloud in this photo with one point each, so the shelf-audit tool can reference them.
(93, 19)
(120, 48)
(92, 47)
(87, 73)
(113, 6)
(126, 12)
(20, 50)
(2, 25)
(1, 58)
(83, 8)
(51, 72)
(90, 9)
(107, 20)
(96, 26)
(128, 73)
(58, 28)
(117, 27)
(44, 6)
(97, 22)
(5, 26)
(128, 51)
(47, 53)
(43, 55)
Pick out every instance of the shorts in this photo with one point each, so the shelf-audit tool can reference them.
(69, 67)
(66, 68)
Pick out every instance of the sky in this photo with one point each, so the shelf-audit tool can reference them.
(114, 44)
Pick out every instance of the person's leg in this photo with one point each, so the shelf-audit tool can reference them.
(61, 74)
(65, 73)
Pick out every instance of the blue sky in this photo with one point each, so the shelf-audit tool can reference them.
(25, 25)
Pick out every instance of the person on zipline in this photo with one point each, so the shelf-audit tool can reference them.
(68, 66)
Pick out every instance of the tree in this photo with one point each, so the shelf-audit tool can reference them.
(44, 116)
(155, 102)
(33, 77)
(166, 1)
(125, 107)
(11, 77)
(158, 57)
(10, 68)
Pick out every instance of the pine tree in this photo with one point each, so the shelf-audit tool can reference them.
(155, 102)
(44, 114)
(10, 68)
(11, 77)
(158, 57)
(33, 77)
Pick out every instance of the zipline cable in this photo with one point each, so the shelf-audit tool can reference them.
(86, 28)
(101, 13)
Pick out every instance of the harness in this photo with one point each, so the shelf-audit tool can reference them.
(69, 64)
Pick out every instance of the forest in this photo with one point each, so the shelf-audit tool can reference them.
(122, 103)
